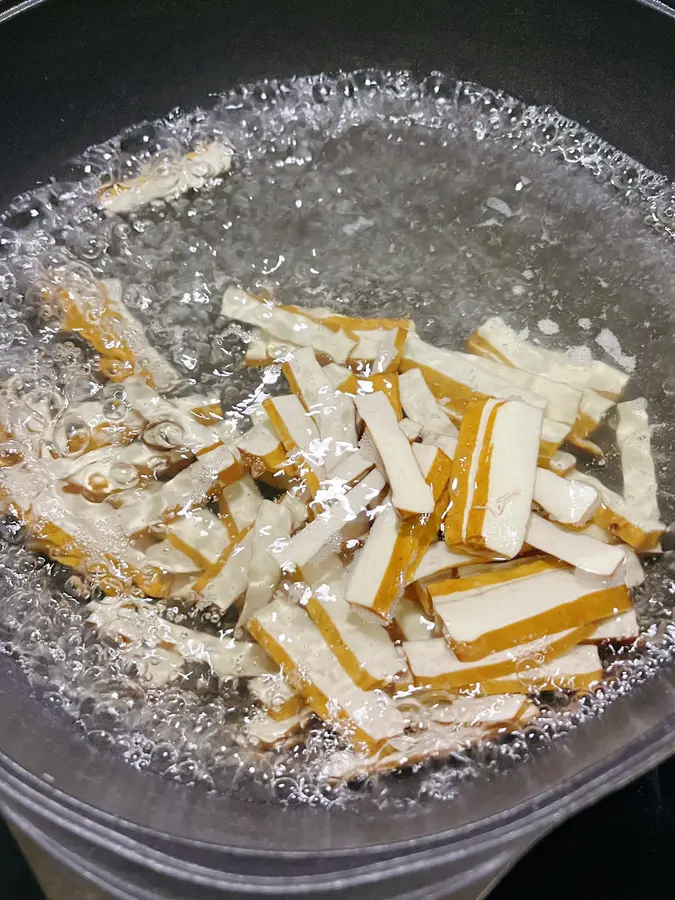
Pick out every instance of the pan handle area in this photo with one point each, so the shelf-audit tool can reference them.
(11, 8)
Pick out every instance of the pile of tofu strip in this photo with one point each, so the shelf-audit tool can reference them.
(431, 561)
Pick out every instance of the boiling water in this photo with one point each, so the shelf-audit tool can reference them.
(376, 195)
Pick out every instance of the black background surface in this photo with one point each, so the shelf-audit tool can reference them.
(73, 72)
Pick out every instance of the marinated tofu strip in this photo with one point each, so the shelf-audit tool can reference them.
(288, 635)
(200, 535)
(572, 547)
(420, 405)
(261, 448)
(493, 478)
(148, 362)
(476, 579)
(167, 426)
(272, 526)
(495, 339)
(280, 699)
(163, 555)
(163, 178)
(437, 560)
(266, 732)
(300, 437)
(518, 611)
(225, 581)
(105, 471)
(410, 492)
(378, 350)
(136, 623)
(427, 708)
(285, 324)
(565, 500)
(408, 750)
(435, 665)
(633, 437)
(360, 385)
(562, 463)
(332, 410)
(296, 507)
(364, 649)
(70, 530)
(203, 480)
(456, 379)
(435, 466)
(562, 400)
(346, 473)
(336, 374)
(593, 408)
(412, 430)
(377, 578)
(87, 309)
(624, 521)
(620, 629)
(304, 545)
(238, 505)
(264, 350)
(410, 623)
(577, 670)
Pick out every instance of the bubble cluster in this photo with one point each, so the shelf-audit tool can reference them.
(374, 193)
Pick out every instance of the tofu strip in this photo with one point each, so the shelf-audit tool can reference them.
(277, 695)
(364, 649)
(435, 466)
(457, 378)
(436, 561)
(200, 535)
(104, 322)
(361, 385)
(300, 437)
(154, 368)
(577, 670)
(137, 624)
(164, 179)
(562, 462)
(493, 476)
(261, 448)
(565, 500)
(238, 505)
(623, 628)
(624, 521)
(434, 665)
(378, 575)
(304, 545)
(442, 708)
(522, 610)
(633, 437)
(225, 581)
(332, 410)
(562, 400)
(266, 732)
(410, 623)
(420, 405)
(410, 492)
(190, 488)
(574, 548)
(494, 338)
(271, 527)
(288, 635)
(286, 325)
